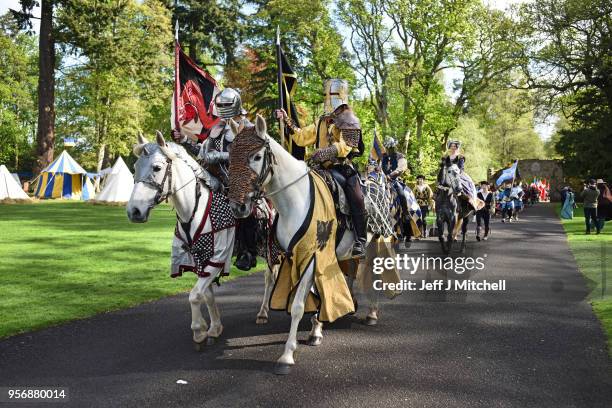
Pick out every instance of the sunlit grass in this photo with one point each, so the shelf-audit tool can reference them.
(593, 254)
(62, 260)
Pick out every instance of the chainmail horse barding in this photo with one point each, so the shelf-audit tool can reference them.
(450, 209)
(204, 234)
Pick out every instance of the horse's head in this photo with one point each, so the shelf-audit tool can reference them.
(450, 178)
(152, 178)
(250, 167)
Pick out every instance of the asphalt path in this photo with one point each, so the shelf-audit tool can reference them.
(536, 344)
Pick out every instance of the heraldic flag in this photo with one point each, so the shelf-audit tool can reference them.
(377, 151)
(289, 86)
(196, 89)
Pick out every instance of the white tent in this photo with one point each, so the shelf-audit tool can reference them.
(9, 188)
(118, 184)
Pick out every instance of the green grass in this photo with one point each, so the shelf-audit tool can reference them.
(62, 260)
(593, 254)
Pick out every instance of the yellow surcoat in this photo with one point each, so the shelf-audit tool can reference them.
(315, 242)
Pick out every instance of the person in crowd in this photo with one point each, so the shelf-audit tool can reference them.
(567, 211)
(424, 197)
(604, 203)
(590, 194)
(483, 215)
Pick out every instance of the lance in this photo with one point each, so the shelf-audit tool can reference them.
(177, 85)
(280, 84)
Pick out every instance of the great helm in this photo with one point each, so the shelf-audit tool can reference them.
(336, 94)
(229, 104)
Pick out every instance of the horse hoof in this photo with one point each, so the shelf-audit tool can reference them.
(282, 369)
(199, 346)
(210, 341)
(314, 340)
(261, 320)
(370, 321)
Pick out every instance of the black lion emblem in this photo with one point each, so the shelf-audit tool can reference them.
(324, 229)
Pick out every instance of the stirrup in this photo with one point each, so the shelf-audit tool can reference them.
(358, 250)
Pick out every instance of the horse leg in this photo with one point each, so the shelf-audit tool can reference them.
(269, 277)
(222, 254)
(316, 333)
(284, 363)
(450, 238)
(372, 316)
(216, 328)
(198, 324)
(464, 228)
(440, 228)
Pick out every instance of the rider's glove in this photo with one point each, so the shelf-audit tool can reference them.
(177, 136)
(325, 154)
(215, 157)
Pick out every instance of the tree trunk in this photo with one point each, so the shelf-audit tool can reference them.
(192, 50)
(419, 135)
(101, 153)
(46, 89)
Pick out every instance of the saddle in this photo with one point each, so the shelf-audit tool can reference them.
(340, 201)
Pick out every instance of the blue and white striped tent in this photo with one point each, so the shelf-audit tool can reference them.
(64, 178)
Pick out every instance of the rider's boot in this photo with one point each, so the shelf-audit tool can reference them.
(244, 261)
(354, 196)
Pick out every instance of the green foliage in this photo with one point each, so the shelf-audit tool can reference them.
(18, 78)
(122, 76)
(593, 258)
(476, 147)
(572, 72)
(209, 28)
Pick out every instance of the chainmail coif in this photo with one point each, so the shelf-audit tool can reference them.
(241, 177)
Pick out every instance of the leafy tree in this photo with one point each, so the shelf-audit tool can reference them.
(210, 28)
(45, 135)
(18, 78)
(123, 72)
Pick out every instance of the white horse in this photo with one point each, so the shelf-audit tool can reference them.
(284, 181)
(166, 171)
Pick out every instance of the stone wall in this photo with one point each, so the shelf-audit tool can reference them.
(542, 169)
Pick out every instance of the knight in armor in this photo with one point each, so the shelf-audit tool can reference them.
(394, 165)
(214, 156)
(454, 156)
(337, 138)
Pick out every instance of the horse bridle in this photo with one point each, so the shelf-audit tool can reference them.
(159, 187)
(266, 171)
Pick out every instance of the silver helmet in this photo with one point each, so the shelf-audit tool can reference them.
(390, 143)
(336, 94)
(229, 104)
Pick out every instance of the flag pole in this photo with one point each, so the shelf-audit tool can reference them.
(514, 173)
(280, 84)
(177, 85)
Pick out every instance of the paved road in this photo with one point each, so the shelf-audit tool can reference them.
(536, 345)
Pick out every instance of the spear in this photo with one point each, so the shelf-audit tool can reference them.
(280, 83)
(177, 85)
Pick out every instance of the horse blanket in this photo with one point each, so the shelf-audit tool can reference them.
(196, 254)
(315, 242)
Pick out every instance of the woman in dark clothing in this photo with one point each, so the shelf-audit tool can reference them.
(604, 203)
(484, 214)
